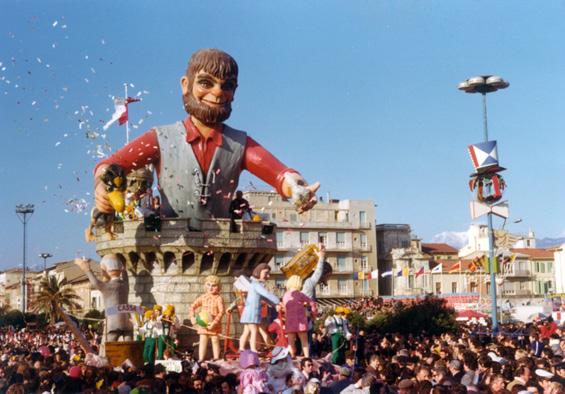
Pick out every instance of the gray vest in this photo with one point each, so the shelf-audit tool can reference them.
(185, 191)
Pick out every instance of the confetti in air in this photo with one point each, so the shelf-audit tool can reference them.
(76, 205)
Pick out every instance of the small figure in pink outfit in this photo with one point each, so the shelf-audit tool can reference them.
(297, 308)
(252, 380)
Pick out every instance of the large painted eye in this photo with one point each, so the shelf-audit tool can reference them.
(205, 83)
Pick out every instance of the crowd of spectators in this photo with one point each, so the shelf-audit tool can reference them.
(522, 358)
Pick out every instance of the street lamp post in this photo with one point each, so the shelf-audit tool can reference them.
(45, 256)
(22, 211)
(487, 84)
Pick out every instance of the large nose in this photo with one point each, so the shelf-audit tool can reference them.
(217, 90)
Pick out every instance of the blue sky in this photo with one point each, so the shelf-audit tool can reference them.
(360, 95)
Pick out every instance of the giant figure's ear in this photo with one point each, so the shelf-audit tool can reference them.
(184, 85)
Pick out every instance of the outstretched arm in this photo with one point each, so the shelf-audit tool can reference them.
(84, 265)
(289, 184)
(271, 298)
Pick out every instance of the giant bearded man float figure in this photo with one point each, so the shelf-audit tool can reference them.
(199, 160)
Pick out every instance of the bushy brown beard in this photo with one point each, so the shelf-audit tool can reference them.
(205, 114)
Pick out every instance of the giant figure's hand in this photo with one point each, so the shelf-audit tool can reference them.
(297, 189)
(100, 192)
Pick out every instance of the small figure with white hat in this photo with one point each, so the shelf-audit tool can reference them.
(115, 291)
(338, 329)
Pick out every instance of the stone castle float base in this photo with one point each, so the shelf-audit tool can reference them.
(169, 266)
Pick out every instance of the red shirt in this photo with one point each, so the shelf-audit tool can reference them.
(145, 150)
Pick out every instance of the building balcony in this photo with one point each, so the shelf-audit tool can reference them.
(281, 224)
(365, 248)
(519, 273)
(331, 248)
(409, 291)
(343, 269)
(517, 293)
(344, 293)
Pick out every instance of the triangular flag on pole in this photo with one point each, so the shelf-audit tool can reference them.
(420, 272)
(120, 111)
(455, 267)
(437, 269)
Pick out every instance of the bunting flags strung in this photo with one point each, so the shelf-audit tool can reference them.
(366, 275)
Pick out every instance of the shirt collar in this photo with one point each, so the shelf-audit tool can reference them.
(192, 133)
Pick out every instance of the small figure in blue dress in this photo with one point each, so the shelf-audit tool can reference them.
(251, 316)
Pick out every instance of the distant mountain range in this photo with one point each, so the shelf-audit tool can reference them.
(549, 242)
(459, 239)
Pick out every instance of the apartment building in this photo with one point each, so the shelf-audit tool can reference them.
(439, 269)
(389, 237)
(11, 288)
(89, 297)
(559, 269)
(346, 227)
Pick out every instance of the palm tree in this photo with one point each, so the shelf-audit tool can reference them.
(54, 296)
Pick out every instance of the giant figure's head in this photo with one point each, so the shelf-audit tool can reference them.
(209, 85)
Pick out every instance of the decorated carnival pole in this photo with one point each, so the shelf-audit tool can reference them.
(486, 179)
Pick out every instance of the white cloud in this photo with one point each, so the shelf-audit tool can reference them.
(452, 238)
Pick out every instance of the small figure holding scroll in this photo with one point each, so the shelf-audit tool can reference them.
(251, 317)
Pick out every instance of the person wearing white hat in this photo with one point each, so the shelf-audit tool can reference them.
(280, 367)
(115, 291)
(544, 378)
